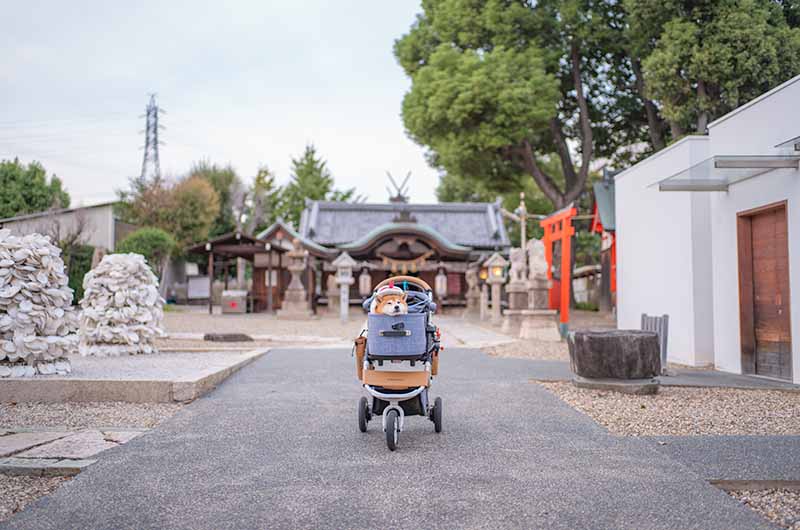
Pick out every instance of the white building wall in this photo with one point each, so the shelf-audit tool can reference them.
(754, 129)
(98, 224)
(656, 249)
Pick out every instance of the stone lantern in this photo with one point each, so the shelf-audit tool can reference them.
(295, 302)
(440, 284)
(344, 277)
(496, 267)
(365, 283)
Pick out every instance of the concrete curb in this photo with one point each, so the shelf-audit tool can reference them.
(43, 467)
(128, 390)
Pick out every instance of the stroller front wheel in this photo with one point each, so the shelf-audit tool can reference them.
(363, 414)
(392, 429)
(437, 414)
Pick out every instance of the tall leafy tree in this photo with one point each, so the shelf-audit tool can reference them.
(707, 57)
(25, 188)
(311, 179)
(225, 182)
(501, 86)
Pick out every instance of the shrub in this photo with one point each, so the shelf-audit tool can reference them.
(154, 244)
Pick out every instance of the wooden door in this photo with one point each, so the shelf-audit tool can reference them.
(764, 289)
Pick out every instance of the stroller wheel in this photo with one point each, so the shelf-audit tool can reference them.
(392, 429)
(437, 414)
(363, 414)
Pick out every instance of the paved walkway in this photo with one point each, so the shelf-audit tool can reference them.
(277, 446)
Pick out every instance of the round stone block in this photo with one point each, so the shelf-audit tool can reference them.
(616, 354)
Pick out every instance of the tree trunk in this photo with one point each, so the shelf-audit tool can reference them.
(676, 130)
(655, 126)
(702, 117)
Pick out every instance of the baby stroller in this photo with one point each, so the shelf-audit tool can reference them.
(396, 361)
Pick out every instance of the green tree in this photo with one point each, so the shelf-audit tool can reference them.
(265, 200)
(712, 56)
(154, 244)
(501, 86)
(26, 189)
(225, 182)
(311, 179)
(194, 209)
(186, 209)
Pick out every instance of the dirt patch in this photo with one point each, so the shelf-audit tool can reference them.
(687, 411)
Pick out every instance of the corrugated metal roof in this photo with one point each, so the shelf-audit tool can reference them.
(476, 225)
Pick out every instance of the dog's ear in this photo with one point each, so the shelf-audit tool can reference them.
(405, 297)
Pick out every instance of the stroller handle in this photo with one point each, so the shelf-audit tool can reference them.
(410, 279)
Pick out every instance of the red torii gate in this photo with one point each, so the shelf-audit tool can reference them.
(558, 226)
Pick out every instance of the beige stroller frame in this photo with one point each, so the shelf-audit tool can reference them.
(397, 365)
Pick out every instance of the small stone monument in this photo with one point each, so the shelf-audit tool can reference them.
(344, 277)
(538, 321)
(496, 264)
(364, 283)
(538, 284)
(332, 293)
(473, 293)
(295, 301)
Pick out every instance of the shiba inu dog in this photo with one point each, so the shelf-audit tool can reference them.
(389, 300)
(391, 304)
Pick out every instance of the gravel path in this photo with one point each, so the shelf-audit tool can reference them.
(687, 411)
(781, 506)
(18, 492)
(84, 415)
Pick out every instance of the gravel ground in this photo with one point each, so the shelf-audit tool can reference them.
(781, 506)
(262, 324)
(531, 349)
(83, 415)
(189, 344)
(18, 492)
(545, 350)
(687, 411)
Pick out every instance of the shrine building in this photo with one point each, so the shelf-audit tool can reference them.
(423, 240)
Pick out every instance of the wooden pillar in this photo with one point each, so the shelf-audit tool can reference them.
(269, 282)
(566, 268)
(210, 282)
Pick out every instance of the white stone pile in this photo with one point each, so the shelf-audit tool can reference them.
(37, 321)
(122, 310)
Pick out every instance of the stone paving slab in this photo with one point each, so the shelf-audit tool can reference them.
(79, 445)
(38, 467)
(277, 446)
(16, 442)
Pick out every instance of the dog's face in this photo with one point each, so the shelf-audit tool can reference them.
(392, 304)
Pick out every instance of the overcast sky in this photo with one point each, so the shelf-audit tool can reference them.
(242, 82)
